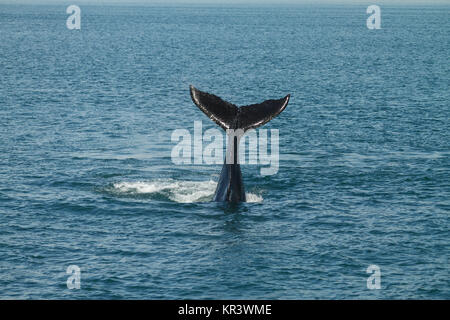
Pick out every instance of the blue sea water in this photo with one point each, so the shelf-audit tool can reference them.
(87, 179)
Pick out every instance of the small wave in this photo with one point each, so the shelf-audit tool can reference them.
(178, 191)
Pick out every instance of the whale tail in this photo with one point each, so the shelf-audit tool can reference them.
(230, 116)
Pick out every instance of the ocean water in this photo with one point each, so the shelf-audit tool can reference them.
(87, 179)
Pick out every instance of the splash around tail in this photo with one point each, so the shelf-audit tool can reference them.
(181, 191)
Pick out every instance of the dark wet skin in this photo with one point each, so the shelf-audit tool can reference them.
(231, 186)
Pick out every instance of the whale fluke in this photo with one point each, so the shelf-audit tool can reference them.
(229, 116)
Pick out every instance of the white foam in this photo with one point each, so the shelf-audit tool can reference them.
(176, 190)
(138, 187)
(251, 197)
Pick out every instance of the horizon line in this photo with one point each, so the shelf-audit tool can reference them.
(224, 2)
